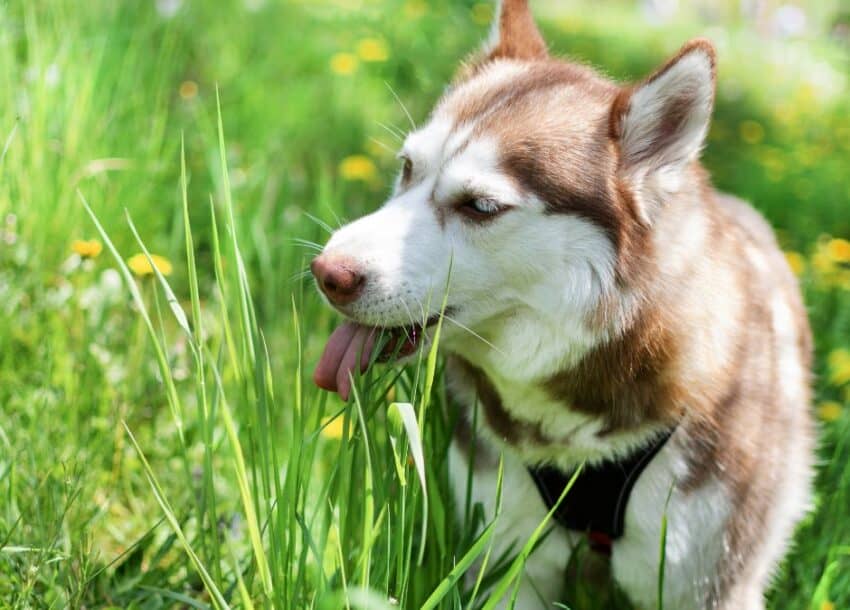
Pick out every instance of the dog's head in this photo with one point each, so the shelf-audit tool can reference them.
(532, 186)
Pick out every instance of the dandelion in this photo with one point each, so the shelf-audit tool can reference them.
(372, 50)
(344, 64)
(839, 366)
(358, 167)
(332, 427)
(829, 410)
(796, 261)
(839, 250)
(831, 261)
(188, 90)
(86, 248)
(827, 605)
(751, 132)
(139, 264)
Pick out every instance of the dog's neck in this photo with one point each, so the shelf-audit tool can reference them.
(524, 346)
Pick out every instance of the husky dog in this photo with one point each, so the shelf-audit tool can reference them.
(606, 307)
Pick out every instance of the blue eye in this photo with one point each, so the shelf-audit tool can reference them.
(485, 206)
(480, 208)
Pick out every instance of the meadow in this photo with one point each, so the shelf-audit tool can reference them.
(167, 169)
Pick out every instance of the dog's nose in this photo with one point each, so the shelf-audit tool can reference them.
(339, 278)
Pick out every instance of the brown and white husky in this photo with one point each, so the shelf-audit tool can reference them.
(603, 298)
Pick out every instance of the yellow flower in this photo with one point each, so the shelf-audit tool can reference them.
(482, 13)
(332, 427)
(87, 248)
(188, 89)
(138, 264)
(827, 606)
(839, 250)
(372, 49)
(839, 366)
(751, 132)
(829, 410)
(831, 261)
(358, 167)
(344, 63)
(796, 261)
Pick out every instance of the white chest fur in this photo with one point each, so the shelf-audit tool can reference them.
(695, 540)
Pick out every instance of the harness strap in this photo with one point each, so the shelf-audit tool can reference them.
(596, 503)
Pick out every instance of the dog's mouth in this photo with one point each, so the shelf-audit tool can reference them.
(352, 346)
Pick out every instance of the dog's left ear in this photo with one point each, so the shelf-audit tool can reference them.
(661, 123)
(514, 35)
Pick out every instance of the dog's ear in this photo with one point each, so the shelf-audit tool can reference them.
(661, 123)
(514, 35)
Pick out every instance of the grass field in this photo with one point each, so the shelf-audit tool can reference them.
(164, 446)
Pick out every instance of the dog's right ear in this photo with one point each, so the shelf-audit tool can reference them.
(514, 35)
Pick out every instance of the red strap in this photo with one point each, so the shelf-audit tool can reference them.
(600, 542)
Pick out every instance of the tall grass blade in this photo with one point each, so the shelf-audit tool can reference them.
(164, 368)
(248, 503)
(514, 571)
(212, 589)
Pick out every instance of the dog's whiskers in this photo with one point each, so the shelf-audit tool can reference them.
(382, 145)
(460, 325)
(474, 334)
(403, 107)
(306, 243)
(300, 275)
(395, 132)
(316, 220)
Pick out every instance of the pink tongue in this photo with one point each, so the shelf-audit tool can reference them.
(338, 362)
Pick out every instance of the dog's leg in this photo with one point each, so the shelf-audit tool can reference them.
(522, 512)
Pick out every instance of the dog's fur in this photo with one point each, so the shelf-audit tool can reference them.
(613, 295)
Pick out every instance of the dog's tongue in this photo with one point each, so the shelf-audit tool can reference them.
(340, 357)
(346, 343)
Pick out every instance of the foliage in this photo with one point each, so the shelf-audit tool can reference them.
(164, 446)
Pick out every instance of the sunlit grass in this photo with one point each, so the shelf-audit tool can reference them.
(160, 440)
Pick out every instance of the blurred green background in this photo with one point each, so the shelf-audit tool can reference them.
(95, 99)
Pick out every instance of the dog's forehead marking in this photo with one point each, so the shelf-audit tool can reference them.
(509, 111)
(475, 168)
(446, 135)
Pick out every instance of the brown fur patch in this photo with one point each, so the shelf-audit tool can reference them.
(519, 37)
(625, 381)
(496, 417)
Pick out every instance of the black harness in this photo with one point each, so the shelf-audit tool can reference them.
(596, 503)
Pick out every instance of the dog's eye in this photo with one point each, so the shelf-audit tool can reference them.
(406, 170)
(480, 208)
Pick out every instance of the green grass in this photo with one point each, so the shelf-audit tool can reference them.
(161, 443)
